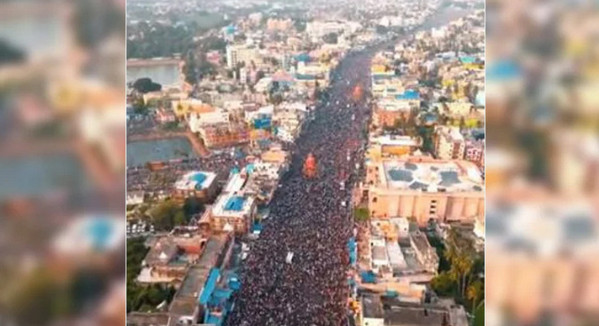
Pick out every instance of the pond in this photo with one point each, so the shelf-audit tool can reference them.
(142, 152)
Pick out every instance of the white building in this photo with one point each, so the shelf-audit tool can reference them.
(233, 212)
(199, 120)
(380, 258)
(241, 53)
(198, 183)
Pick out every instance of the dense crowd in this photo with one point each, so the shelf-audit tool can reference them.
(310, 218)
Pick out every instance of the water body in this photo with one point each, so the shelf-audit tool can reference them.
(142, 152)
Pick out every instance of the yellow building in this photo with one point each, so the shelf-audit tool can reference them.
(182, 108)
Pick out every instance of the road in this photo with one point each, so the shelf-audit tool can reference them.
(311, 218)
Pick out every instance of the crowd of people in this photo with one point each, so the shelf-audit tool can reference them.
(296, 273)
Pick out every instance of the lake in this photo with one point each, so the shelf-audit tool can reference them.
(144, 151)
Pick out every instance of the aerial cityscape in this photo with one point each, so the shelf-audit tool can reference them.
(273, 162)
(305, 163)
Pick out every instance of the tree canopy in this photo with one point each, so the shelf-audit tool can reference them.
(146, 85)
(167, 214)
(361, 214)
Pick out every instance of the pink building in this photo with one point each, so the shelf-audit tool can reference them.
(475, 152)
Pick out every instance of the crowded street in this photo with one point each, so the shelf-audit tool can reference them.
(310, 218)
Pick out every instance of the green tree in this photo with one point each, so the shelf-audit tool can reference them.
(192, 206)
(361, 214)
(460, 255)
(146, 85)
(190, 68)
(139, 107)
(167, 215)
(443, 284)
(474, 292)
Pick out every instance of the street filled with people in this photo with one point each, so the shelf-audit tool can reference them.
(296, 271)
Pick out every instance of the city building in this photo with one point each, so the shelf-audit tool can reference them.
(224, 135)
(423, 188)
(233, 213)
(275, 155)
(197, 120)
(185, 309)
(449, 143)
(184, 107)
(197, 184)
(283, 25)
(241, 53)
(372, 311)
(318, 29)
(390, 112)
(381, 311)
(426, 254)
(475, 152)
(392, 145)
(170, 257)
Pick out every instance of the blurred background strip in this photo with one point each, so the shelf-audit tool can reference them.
(542, 162)
(62, 161)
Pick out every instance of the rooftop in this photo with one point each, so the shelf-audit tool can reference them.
(415, 316)
(146, 319)
(392, 140)
(235, 183)
(232, 205)
(185, 301)
(431, 176)
(372, 307)
(195, 180)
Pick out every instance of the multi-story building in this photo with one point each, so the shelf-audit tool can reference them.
(232, 213)
(197, 184)
(274, 24)
(389, 111)
(223, 135)
(424, 188)
(169, 258)
(241, 53)
(475, 152)
(426, 254)
(197, 120)
(318, 29)
(390, 145)
(185, 309)
(449, 143)
(184, 107)
(380, 311)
